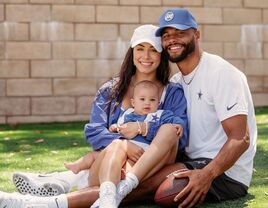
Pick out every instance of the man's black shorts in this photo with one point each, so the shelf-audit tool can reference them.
(223, 187)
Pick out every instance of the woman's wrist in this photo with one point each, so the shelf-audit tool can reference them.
(144, 128)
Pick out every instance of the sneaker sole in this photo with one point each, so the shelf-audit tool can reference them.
(25, 186)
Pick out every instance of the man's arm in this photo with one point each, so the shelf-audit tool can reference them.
(200, 180)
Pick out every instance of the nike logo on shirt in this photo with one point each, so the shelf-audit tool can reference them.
(230, 107)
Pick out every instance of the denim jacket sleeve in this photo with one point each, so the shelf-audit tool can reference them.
(97, 130)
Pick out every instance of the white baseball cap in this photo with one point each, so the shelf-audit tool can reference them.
(146, 34)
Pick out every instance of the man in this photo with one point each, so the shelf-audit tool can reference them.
(220, 110)
(219, 156)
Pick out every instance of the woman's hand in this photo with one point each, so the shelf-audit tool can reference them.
(129, 130)
(134, 152)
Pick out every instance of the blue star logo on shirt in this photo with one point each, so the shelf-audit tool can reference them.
(155, 118)
(199, 95)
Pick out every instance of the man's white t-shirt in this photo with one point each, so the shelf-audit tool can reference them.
(217, 91)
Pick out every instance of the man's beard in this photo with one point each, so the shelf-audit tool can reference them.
(188, 49)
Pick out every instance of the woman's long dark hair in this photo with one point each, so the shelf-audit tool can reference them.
(128, 69)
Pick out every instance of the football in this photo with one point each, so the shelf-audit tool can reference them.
(168, 189)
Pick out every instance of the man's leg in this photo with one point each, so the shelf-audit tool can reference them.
(223, 187)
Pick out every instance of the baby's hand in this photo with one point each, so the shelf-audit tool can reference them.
(113, 128)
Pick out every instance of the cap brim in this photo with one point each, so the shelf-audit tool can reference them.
(144, 40)
(176, 26)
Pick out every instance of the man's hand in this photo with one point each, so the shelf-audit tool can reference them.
(197, 188)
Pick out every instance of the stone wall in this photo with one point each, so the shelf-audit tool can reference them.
(54, 54)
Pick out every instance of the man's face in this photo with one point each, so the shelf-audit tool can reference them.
(178, 43)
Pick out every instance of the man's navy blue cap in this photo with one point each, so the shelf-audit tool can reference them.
(178, 18)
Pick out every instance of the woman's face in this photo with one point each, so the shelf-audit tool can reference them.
(146, 58)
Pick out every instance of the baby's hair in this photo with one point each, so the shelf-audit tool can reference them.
(146, 84)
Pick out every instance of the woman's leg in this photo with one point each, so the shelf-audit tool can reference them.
(144, 192)
(107, 168)
(162, 144)
(108, 164)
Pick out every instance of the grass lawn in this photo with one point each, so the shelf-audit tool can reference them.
(44, 148)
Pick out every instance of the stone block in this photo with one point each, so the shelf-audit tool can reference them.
(29, 87)
(260, 99)
(13, 1)
(257, 67)
(52, 31)
(255, 83)
(73, 13)
(117, 14)
(53, 68)
(74, 86)
(97, 2)
(252, 33)
(1, 12)
(27, 50)
(265, 85)
(3, 120)
(12, 69)
(242, 16)
(223, 3)
(224, 33)
(46, 119)
(150, 15)
(2, 87)
(265, 45)
(182, 3)
(265, 32)
(2, 50)
(126, 31)
(101, 32)
(52, 1)
(265, 16)
(84, 104)
(243, 50)
(14, 31)
(112, 50)
(239, 64)
(256, 3)
(140, 2)
(98, 68)
(207, 15)
(213, 47)
(53, 106)
(74, 50)
(14, 106)
(27, 13)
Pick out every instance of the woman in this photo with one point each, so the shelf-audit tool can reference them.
(143, 61)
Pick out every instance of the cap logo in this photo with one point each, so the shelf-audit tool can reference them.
(169, 16)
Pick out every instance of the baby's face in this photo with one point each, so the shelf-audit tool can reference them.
(145, 100)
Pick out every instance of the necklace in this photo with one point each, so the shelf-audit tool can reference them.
(196, 68)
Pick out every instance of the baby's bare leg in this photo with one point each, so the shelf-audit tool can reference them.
(82, 163)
